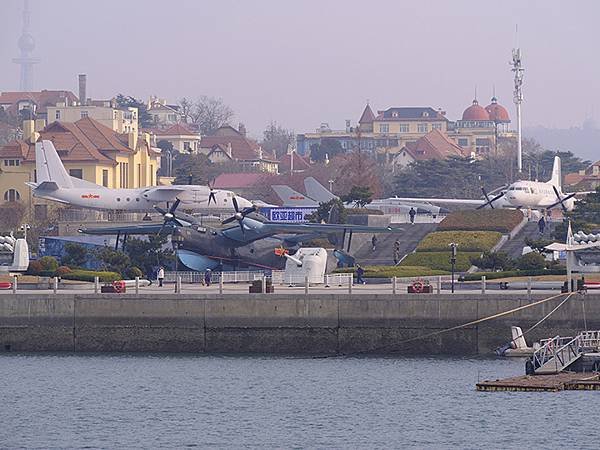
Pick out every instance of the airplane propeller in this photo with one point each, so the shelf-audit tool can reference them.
(560, 199)
(239, 215)
(211, 195)
(169, 215)
(488, 200)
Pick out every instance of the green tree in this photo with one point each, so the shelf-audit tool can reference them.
(493, 261)
(358, 196)
(328, 148)
(332, 211)
(197, 166)
(277, 139)
(144, 117)
(113, 260)
(531, 261)
(75, 255)
(148, 253)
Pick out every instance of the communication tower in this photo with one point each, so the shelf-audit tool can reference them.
(517, 68)
(26, 45)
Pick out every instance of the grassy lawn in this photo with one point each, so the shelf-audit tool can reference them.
(468, 241)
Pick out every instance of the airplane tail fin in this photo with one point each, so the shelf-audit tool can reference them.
(290, 197)
(317, 191)
(517, 335)
(50, 169)
(556, 179)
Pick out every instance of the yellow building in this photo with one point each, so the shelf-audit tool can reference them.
(89, 151)
(121, 120)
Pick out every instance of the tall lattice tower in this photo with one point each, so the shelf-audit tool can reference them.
(26, 46)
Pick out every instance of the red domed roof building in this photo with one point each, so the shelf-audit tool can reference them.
(476, 112)
(497, 112)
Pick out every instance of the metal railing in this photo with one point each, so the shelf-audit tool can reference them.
(558, 353)
(335, 279)
(191, 277)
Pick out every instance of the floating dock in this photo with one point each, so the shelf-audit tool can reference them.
(564, 381)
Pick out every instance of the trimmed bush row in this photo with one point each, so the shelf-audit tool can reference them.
(513, 273)
(500, 220)
(394, 271)
(88, 275)
(439, 260)
(468, 241)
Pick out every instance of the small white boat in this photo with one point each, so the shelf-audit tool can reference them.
(517, 346)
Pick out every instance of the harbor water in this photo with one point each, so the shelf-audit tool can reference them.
(158, 401)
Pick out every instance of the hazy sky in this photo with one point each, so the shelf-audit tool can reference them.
(306, 62)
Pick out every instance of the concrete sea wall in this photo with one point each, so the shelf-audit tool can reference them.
(293, 324)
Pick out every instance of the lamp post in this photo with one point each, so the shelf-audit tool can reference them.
(24, 228)
(330, 185)
(453, 247)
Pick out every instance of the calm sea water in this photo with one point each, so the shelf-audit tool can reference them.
(154, 401)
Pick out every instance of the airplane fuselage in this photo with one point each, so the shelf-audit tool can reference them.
(535, 195)
(194, 197)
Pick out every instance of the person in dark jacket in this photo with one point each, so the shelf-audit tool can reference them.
(360, 272)
(412, 213)
(207, 277)
(542, 225)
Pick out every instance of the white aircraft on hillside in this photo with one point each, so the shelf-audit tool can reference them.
(317, 193)
(520, 194)
(54, 183)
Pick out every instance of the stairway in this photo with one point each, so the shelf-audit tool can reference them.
(409, 238)
(514, 246)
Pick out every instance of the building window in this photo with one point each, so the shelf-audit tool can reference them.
(76, 173)
(84, 114)
(186, 146)
(12, 195)
(436, 126)
(463, 142)
(422, 128)
(404, 128)
(124, 172)
(384, 128)
(139, 167)
(57, 115)
(105, 177)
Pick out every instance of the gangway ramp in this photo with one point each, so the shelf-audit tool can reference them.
(558, 353)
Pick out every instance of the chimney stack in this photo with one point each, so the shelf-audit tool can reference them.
(242, 129)
(82, 89)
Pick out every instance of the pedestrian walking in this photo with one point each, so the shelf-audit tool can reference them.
(207, 277)
(396, 252)
(374, 242)
(542, 225)
(412, 213)
(360, 272)
(160, 276)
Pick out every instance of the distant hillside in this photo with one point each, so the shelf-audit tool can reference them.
(582, 141)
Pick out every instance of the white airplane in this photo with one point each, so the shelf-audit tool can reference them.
(520, 194)
(317, 193)
(54, 183)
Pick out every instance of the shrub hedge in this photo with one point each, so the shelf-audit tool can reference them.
(88, 275)
(468, 241)
(502, 220)
(439, 260)
(394, 271)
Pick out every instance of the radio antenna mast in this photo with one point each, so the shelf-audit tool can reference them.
(517, 68)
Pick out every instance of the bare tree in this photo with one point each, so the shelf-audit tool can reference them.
(186, 108)
(277, 139)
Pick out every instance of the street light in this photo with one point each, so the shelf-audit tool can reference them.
(330, 185)
(24, 228)
(453, 247)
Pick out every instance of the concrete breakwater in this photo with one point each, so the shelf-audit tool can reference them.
(286, 324)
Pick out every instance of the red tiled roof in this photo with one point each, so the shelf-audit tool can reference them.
(299, 163)
(573, 178)
(497, 112)
(84, 140)
(242, 148)
(434, 145)
(237, 180)
(175, 130)
(42, 99)
(475, 112)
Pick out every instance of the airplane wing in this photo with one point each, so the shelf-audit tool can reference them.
(325, 228)
(151, 228)
(557, 246)
(317, 191)
(163, 193)
(447, 201)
